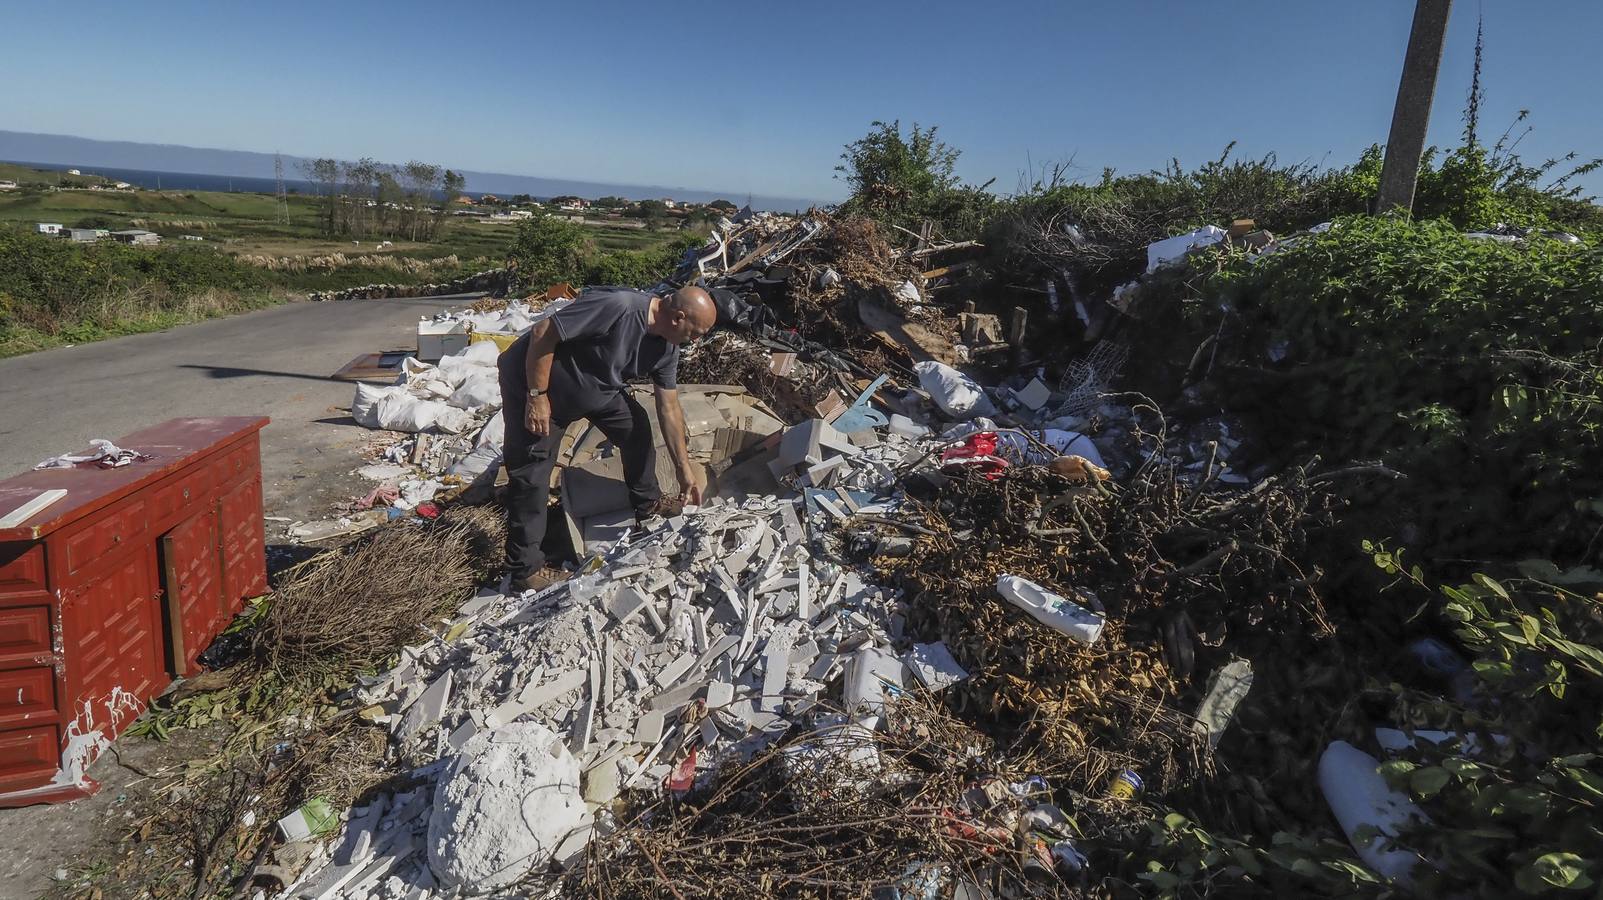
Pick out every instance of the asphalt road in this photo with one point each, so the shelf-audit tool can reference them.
(273, 362)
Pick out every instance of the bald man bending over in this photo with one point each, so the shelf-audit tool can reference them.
(575, 365)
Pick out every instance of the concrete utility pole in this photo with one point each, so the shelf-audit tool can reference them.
(1409, 119)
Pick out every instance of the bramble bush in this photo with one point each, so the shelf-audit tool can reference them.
(1471, 366)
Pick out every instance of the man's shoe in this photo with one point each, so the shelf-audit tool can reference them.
(538, 581)
(667, 507)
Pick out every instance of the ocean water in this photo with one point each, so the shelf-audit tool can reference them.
(190, 181)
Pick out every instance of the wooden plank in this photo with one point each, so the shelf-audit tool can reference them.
(380, 367)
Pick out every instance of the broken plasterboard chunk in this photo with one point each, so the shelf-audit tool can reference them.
(648, 728)
(934, 665)
(1035, 394)
(673, 671)
(720, 694)
(625, 602)
(425, 713)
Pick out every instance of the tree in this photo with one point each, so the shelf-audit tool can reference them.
(549, 249)
(724, 206)
(904, 180)
(652, 211)
(324, 174)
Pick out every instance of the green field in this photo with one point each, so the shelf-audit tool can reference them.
(53, 291)
(249, 223)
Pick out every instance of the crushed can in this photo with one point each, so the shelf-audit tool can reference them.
(1126, 786)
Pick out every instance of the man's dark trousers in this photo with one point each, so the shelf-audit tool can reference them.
(529, 459)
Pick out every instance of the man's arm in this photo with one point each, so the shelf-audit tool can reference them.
(672, 417)
(537, 366)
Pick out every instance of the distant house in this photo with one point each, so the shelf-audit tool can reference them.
(74, 172)
(123, 185)
(136, 236)
(47, 227)
(668, 203)
(8, 185)
(489, 198)
(465, 200)
(84, 235)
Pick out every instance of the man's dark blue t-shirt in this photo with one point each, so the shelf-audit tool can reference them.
(602, 345)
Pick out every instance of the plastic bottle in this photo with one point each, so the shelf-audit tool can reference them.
(1052, 610)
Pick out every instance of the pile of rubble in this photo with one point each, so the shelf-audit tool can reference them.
(938, 639)
(684, 649)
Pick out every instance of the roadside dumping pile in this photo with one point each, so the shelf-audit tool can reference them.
(1030, 637)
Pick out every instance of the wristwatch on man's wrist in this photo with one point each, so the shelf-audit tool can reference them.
(535, 392)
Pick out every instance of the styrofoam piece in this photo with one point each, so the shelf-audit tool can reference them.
(1359, 797)
(1052, 610)
(934, 666)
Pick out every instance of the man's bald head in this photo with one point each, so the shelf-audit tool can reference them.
(686, 315)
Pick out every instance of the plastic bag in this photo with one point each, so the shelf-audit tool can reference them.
(494, 432)
(485, 458)
(364, 408)
(450, 420)
(481, 389)
(955, 393)
(482, 353)
(400, 411)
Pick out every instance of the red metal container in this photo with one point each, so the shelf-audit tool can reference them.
(115, 589)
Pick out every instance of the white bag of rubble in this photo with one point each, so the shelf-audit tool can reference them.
(364, 408)
(482, 353)
(1051, 610)
(501, 810)
(955, 393)
(494, 432)
(1175, 249)
(450, 420)
(484, 458)
(400, 411)
(482, 388)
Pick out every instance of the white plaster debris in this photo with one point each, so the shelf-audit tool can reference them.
(722, 630)
(508, 801)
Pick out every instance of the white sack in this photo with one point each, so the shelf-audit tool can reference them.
(401, 411)
(470, 468)
(450, 420)
(955, 393)
(482, 353)
(364, 408)
(481, 389)
(507, 801)
(494, 432)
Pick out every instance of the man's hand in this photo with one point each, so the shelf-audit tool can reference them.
(690, 488)
(537, 417)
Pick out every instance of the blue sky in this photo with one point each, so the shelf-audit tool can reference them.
(759, 97)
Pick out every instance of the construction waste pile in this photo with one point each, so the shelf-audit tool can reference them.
(932, 638)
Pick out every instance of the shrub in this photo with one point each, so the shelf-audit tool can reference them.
(1471, 365)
